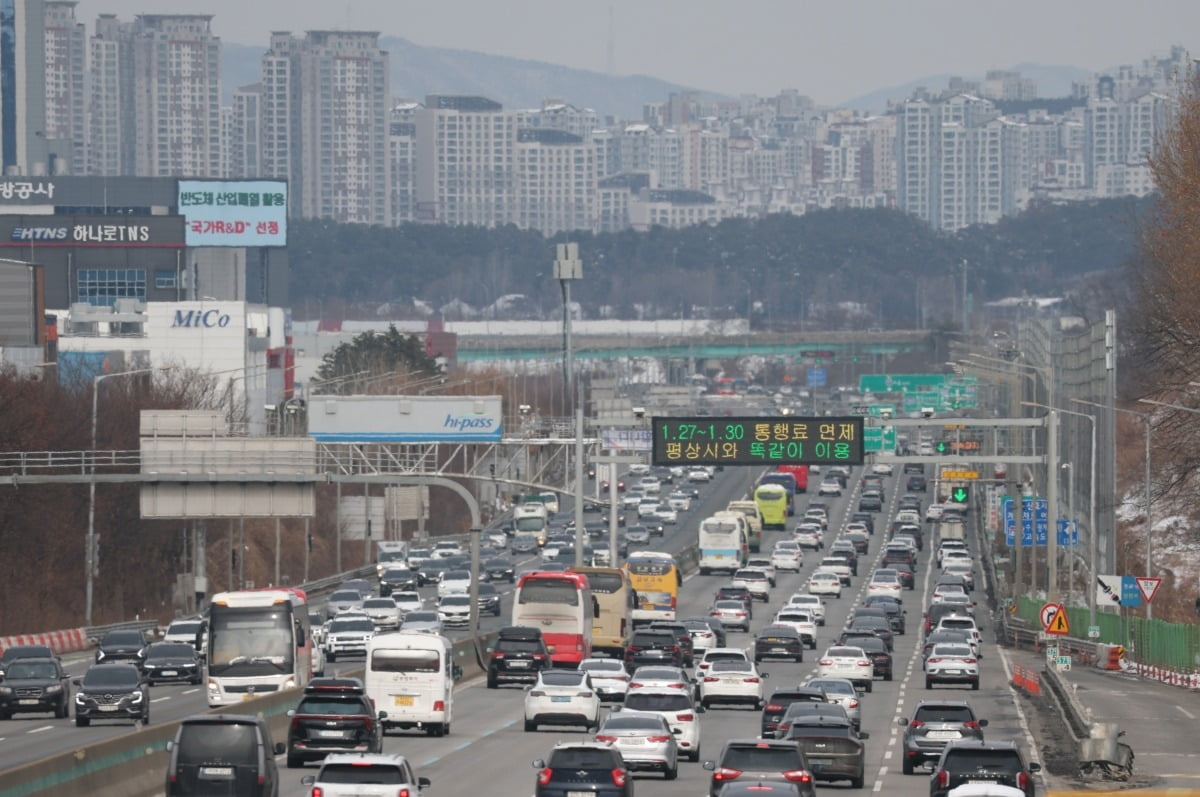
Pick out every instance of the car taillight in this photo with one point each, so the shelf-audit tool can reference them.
(497, 655)
(935, 659)
(754, 679)
(684, 717)
(916, 724)
(864, 663)
(774, 707)
(723, 774)
(317, 791)
(853, 703)
(583, 694)
(539, 656)
(711, 679)
(943, 779)
(797, 776)
(439, 705)
(739, 614)
(635, 684)
(619, 777)
(1022, 781)
(606, 738)
(404, 793)
(295, 723)
(658, 739)
(675, 685)
(675, 649)
(825, 662)
(544, 776)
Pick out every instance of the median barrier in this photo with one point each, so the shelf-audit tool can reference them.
(71, 640)
(128, 766)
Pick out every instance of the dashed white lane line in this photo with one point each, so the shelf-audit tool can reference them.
(190, 691)
(42, 729)
(1186, 713)
(160, 699)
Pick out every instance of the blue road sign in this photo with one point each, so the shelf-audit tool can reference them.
(816, 377)
(1041, 524)
(1130, 594)
(1010, 522)
(1026, 522)
(1068, 532)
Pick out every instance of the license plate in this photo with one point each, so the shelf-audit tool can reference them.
(942, 735)
(581, 794)
(820, 762)
(247, 696)
(518, 665)
(108, 708)
(952, 672)
(28, 702)
(403, 700)
(169, 672)
(633, 740)
(560, 698)
(224, 772)
(779, 650)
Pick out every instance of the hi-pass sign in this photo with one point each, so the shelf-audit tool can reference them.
(758, 441)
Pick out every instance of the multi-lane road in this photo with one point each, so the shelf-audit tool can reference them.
(488, 752)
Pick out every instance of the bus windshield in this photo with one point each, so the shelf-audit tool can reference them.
(250, 641)
(605, 583)
(531, 523)
(649, 568)
(549, 591)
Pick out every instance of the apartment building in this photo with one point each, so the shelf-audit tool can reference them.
(65, 99)
(555, 187)
(24, 148)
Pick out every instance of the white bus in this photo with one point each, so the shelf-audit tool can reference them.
(410, 677)
(723, 543)
(258, 641)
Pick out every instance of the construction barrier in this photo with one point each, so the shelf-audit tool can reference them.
(1027, 680)
(69, 641)
(1108, 657)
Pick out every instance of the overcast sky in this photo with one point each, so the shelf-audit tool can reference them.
(831, 51)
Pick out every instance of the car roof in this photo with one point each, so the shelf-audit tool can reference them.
(364, 759)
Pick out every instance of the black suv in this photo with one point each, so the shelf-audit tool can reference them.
(916, 484)
(122, 644)
(982, 762)
(935, 724)
(499, 569)
(832, 747)
(771, 760)
(777, 706)
(111, 691)
(875, 648)
(397, 579)
(15, 652)
(223, 754)
(583, 768)
(334, 716)
(34, 685)
(170, 661)
(682, 635)
(648, 646)
(518, 656)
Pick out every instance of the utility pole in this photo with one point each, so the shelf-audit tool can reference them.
(567, 268)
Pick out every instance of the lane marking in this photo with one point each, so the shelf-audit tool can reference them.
(1186, 713)
(190, 691)
(464, 745)
(160, 699)
(42, 729)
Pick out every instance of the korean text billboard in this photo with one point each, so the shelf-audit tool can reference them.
(234, 212)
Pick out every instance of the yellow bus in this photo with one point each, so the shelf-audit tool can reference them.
(614, 594)
(655, 579)
(773, 501)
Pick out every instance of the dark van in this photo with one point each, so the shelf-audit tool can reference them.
(226, 754)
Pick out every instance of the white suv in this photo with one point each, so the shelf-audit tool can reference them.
(345, 774)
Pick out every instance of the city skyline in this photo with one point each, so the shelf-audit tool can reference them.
(905, 42)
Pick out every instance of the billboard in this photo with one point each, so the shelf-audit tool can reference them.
(234, 212)
(405, 419)
(772, 440)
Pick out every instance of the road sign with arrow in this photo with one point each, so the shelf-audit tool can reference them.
(959, 495)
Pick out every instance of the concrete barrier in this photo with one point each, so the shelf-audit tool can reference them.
(70, 640)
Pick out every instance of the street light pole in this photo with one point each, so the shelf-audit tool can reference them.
(90, 553)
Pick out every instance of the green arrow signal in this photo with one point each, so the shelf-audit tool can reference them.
(959, 495)
(941, 447)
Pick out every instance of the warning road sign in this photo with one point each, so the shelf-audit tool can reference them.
(1047, 614)
(1059, 624)
(1148, 587)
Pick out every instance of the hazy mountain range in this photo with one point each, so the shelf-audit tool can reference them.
(520, 83)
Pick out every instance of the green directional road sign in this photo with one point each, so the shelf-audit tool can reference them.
(898, 383)
(879, 410)
(879, 438)
(959, 495)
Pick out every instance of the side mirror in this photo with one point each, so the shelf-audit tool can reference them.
(983, 723)
(76, 681)
(423, 783)
(456, 672)
(700, 709)
(291, 712)
(280, 748)
(677, 731)
(902, 721)
(308, 780)
(539, 763)
(711, 766)
(383, 715)
(1035, 766)
(170, 745)
(764, 675)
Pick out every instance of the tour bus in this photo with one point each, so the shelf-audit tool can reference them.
(787, 480)
(410, 675)
(562, 606)
(258, 641)
(655, 579)
(722, 542)
(772, 501)
(801, 474)
(612, 591)
(754, 522)
(530, 518)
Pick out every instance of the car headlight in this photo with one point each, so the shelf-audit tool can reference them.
(79, 699)
(136, 697)
(100, 654)
(50, 690)
(4, 690)
(290, 683)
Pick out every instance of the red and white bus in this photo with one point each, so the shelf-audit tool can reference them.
(560, 605)
(258, 641)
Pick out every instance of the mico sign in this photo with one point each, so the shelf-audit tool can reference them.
(200, 319)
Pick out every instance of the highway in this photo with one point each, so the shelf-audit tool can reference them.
(488, 752)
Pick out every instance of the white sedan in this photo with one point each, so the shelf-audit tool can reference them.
(810, 603)
(882, 469)
(825, 582)
(885, 582)
(764, 564)
(677, 707)
(788, 557)
(609, 677)
(809, 536)
(679, 501)
(830, 487)
(801, 620)
(667, 514)
(562, 697)
(951, 663)
(732, 681)
(699, 475)
(850, 663)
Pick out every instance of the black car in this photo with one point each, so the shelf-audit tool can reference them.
(847, 551)
(223, 754)
(170, 661)
(777, 705)
(590, 768)
(913, 467)
(756, 760)
(398, 579)
(732, 593)
(982, 762)
(890, 608)
(806, 712)
(916, 484)
(120, 645)
(682, 635)
(14, 652)
(832, 746)
(870, 502)
(489, 600)
(111, 691)
(778, 641)
(876, 625)
(517, 657)
(499, 569)
(35, 685)
(935, 724)
(334, 716)
(904, 571)
(653, 647)
(875, 648)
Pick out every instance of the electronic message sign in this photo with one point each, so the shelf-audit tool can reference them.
(758, 441)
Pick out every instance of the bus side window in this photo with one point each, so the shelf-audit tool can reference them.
(678, 578)
(595, 606)
(300, 640)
